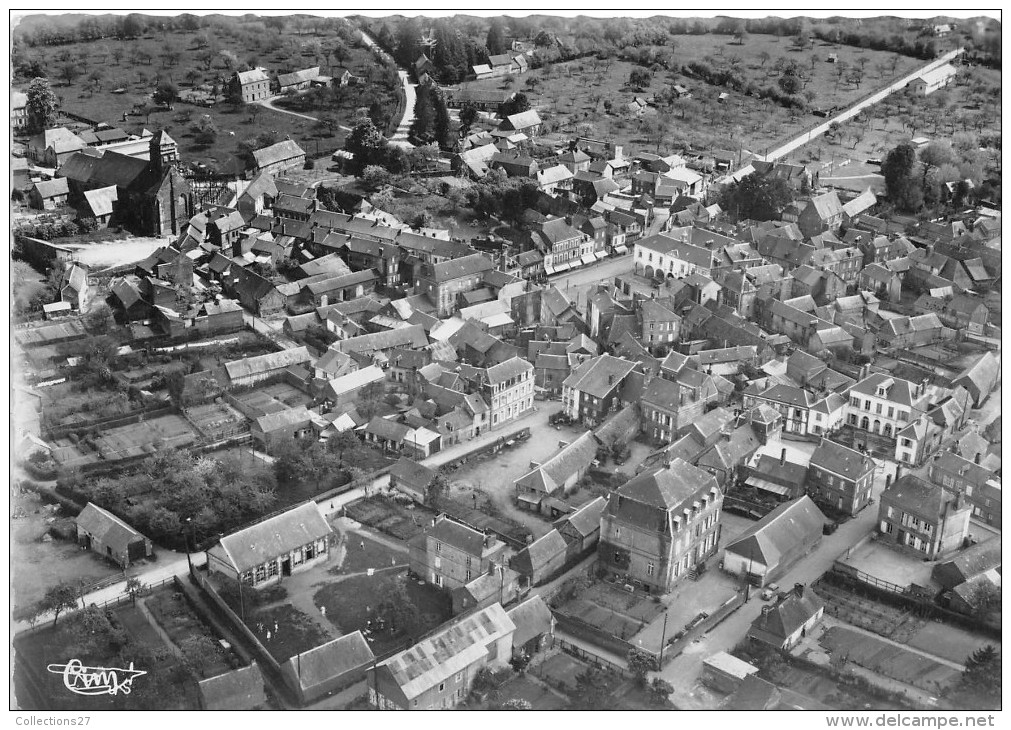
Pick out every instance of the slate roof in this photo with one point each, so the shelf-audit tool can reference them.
(107, 529)
(899, 391)
(52, 188)
(476, 263)
(841, 460)
(780, 532)
(111, 168)
(270, 361)
(916, 495)
(411, 472)
(412, 336)
(522, 121)
(532, 618)
(275, 536)
(646, 499)
(330, 660)
(298, 77)
(253, 76)
(663, 394)
(239, 689)
(784, 618)
(100, 200)
(599, 376)
(271, 422)
(586, 519)
(553, 473)
(283, 150)
(538, 554)
(455, 647)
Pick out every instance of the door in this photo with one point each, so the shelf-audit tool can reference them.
(286, 566)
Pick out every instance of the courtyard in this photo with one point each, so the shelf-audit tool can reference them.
(885, 562)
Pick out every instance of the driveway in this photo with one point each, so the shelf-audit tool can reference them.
(410, 96)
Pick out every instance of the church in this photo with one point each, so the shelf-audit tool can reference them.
(153, 198)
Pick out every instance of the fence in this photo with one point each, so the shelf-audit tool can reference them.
(676, 646)
(235, 623)
(596, 636)
(588, 656)
(57, 432)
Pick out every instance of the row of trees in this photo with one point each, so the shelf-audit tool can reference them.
(916, 180)
(431, 118)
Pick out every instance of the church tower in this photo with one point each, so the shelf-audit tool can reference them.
(164, 151)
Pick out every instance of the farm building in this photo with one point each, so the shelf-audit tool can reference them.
(769, 547)
(239, 689)
(328, 668)
(102, 532)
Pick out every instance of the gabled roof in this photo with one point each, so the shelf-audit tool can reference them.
(642, 499)
(778, 534)
(253, 76)
(454, 648)
(410, 471)
(918, 495)
(283, 150)
(586, 519)
(539, 553)
(275, 536)
(783, 619)
(521, 121)
(327, 661)
(532, 618)
(100, 200)
(298, 77)
(553, 473)
(52, 188)
(239, 689)
(841, 460)
(107, 529)
(268, 362)
(599, 376)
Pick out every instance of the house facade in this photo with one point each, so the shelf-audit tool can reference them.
(268, 551)
(923, 517)
(659, 526)
(252, 85)
(840, 477)
(450, 554)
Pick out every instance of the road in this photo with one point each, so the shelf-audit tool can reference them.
(576, 283)
(410, 96)
(819, 130)
(684, 670)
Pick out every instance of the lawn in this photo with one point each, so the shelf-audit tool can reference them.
(390, 517)
(358, 559)
(522, 687)
(353, 605)
(291, 631)
(948, 642)
(571, 95)
(106, 88)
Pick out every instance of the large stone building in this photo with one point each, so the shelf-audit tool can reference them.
(450, 554)
(659, 526)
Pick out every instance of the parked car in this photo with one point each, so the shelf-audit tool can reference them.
(770, 592)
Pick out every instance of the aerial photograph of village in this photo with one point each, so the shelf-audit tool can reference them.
(505, 361)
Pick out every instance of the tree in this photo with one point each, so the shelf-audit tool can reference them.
(397, 608)
(436, 490)
(496, 42)
(59, 598)
(982, 674)
(639, 78)
(41, 104)
(199, 654)
(661, 690)
(369, 399)
(902, 185)
(757, 197)
(790, 84)
(133, 588)
(468, 115)
(99, 319)
(367, 145)
(166, 92)
(517, 105)
(375, 177)
(640, 664)
(934, 155)
(763, 58)
(594, 687)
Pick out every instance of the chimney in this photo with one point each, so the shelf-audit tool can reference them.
(782, 458)
(898, 472)
(975, 459)
(798, 589)
(766, 609)
(610, 379)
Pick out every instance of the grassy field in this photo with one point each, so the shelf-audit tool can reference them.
(374, 554)
(115, 78)
(572, 95)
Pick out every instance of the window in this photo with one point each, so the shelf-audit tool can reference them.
(438, 547)
(468, 576)
(617, 532)
(878, 409)
(459, 677)
(415, 703)
(650, 568)
(442, 686)
(891, 411)
(855, 402)
(867, 405)
(438, 562)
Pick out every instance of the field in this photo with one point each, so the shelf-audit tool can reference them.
(572, 94)
(613, 610)
(374, 555)
(134, 439)
(42, 565)
(112, 80)
(888, 659)
(272, 398)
